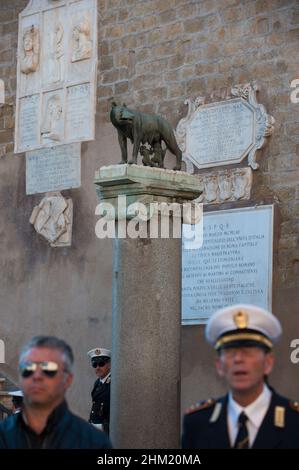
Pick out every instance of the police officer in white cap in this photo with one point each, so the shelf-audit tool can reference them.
(251, 415)
(100, 410)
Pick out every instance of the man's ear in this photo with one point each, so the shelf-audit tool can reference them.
(269, 363)
(68, 380)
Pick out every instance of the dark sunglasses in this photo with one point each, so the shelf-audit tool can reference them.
(99, 363)
(48, 368)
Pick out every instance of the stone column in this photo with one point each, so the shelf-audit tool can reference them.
(146, 317)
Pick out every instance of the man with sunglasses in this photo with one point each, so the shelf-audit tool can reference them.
(45, 422)
(100, 410)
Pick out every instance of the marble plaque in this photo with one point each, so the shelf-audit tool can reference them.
(233, 184)
(221, 133)
(28, 119)
(55, 46)
(53, 169)
(2, 92)
(52, 123)
(234, 264)
(57, 63)
(53, 219)
(78, 111)
(29, 57)
(224, 132)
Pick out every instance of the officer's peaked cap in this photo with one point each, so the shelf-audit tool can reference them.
(99, 352)
(243, 325)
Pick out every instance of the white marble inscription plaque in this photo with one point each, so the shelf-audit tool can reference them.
(224, 132)
(53, 169)
(28, 121)
(233, 266)
(221, 133)
(2, 92)
(78, 111)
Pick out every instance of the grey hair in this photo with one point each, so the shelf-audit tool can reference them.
(50, 342)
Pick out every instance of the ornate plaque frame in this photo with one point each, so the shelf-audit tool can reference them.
(202, 117)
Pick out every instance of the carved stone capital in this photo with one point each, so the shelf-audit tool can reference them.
(146, 185)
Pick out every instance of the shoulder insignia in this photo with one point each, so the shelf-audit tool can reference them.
(216, 412)
(279, 416)
(200, 406)
(294, 405)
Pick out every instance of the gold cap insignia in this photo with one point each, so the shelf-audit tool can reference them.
(241, 319)
(97, 352)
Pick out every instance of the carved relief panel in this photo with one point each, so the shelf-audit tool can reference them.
(56, 73)
(233, 184)
(53, 219)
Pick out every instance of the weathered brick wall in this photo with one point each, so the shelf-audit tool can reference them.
(156, 53)
(153, 54)
(8, 62)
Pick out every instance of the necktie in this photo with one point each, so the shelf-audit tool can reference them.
(242, 440)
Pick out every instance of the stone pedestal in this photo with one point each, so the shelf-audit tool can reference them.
(145, 390)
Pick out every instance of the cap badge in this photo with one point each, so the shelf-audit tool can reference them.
(241, 320)
(97, 352)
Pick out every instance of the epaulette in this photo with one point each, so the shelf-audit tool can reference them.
(200, 406)
(294, 405)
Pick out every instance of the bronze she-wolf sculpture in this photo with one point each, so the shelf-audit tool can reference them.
(144, 130)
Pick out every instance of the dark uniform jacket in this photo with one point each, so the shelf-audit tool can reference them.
(64, 430)
(205, 427)
(100, 410)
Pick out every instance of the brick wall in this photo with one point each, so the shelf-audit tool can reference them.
(8, 62)
(156, 53)
(153, 54)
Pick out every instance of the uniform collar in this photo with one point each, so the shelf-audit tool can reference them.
(105, 379)
(255, 411)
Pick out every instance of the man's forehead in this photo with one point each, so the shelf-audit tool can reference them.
(253, 350)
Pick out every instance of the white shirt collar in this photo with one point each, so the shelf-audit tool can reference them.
(255, 412)
(104, 380)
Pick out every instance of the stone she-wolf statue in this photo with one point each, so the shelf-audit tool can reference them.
(146, 132)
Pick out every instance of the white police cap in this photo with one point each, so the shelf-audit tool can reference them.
(16, 393)
(242, 324)
(99, 352)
